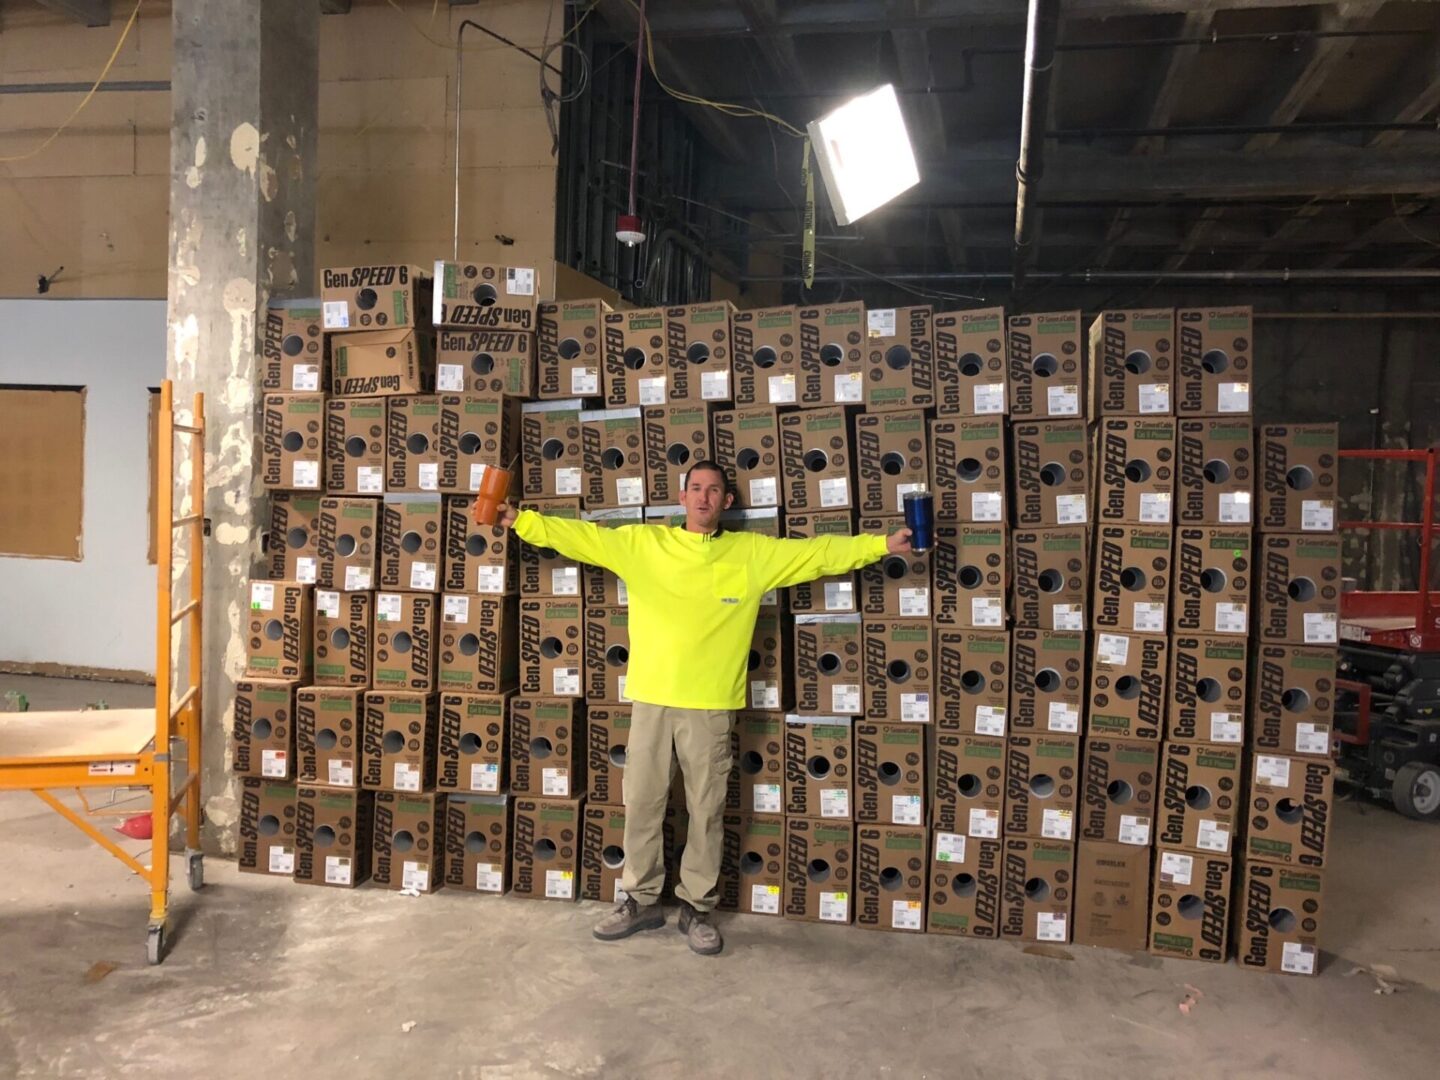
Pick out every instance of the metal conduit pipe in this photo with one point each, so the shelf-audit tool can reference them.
(1041, 27)
(1342, 275)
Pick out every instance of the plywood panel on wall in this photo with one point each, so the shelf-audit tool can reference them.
(42, 442)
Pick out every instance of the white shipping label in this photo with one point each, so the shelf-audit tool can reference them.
(989, 720)
(559, 884)
(782, 389)
(835, 802)
(477, 473)
(407, 777)
(915, 603)
(327, 603)
(770, 598)
(1064, 717)
(457, 609)
(1225, 727)
(1235, 508)
(765, 798)
(986, 611)
(1155, 507)
(358, 578)
(337, 314)
(1312, 739)
(985, 824)
(915, 708)
(274, 763)
(849, 388)
(622, 592)
(370, 480)
(520, 281)
(1070, 509)
(765, 899)
(341, 773)
(282, 860)
(845, 698)
(901, 490)
(1113, 649)
(414, 875)
(490, 579)
(1176, 868)
(949, 847)
(652, 390)
(1213, 836)
(1067, 616)
(1155, 398)
(1320, 628)
(835, 907)
(305, 377)
(905, 809)
(1134, 830)
(630, 490)
(714, 385)
(337, 870)
(565, 580)
(262, 596)
(839, 596)
(1064, 400)
(989, 399)
(1272, 770)
(1231, 618)
(1050, 926)
(484, 776)
(763, 491)
(387, 607)
(567, 481)
(905, 914)
(1057, 824)
(488, 877)
(835, 491)
(450, 377)
(1317, 515)
(1297, 959)
(1149, 617)
(1233, 397)
(620, 893)
(306, 474)
(555, 782)
(764, 695)
(987, 506)
(423, 575)
(620, 687)
(566, 682)
(584, 381)
(881, 322)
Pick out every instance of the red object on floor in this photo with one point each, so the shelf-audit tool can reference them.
(138, 827)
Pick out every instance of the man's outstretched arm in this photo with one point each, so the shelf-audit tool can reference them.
(794, 562)
(583, 541)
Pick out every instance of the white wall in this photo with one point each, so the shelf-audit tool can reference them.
(99, 612)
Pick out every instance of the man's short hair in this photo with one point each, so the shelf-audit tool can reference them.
(727, 488)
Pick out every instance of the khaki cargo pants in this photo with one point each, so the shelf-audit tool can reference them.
(699, 740)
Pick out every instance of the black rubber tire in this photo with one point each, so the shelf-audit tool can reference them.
(1416, 791)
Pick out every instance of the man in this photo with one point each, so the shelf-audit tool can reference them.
(694, 596)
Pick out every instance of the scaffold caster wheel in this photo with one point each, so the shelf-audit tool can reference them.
(195, 870)
(155, 944)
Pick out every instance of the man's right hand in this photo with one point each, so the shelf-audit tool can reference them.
(506, 518)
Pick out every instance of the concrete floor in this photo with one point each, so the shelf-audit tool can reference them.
(272, 979)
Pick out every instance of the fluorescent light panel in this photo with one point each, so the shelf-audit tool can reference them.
(864, 153)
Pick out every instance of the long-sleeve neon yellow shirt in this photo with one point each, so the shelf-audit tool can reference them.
(694, 597)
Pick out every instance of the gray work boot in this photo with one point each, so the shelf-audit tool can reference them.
(629, 918)
(698, 930)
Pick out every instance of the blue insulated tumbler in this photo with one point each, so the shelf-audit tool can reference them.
(920, 519)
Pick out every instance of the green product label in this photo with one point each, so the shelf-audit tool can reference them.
(621, 722)
(622, 424)
(336, 704)
(303, 313)
(1055, 326)
(410, 708)
(413, 806)
(1108, 723)
(979, 433)
(426, 408)
(882, 396)
(488, 809)
(982, 750)
(450, 280)
(762, 727)
(895, 427)
(770, 322)
(309, 503)
(832, 528)
(1314, 438)
(552, 712)
(753, 423)
(1224, 652)
(831, 835)
(910, 635)
(367, 412)
(1237, 543)
(484, 708)
(842, 318)
(1231, 432)
(401, 316)
(1073, 543)
(578, 312)
(1174, 941)
(281, 791)
(982, 645)
(1149, 325)
(765, 828)
(1303, 882)
(1069, 644)
(983, 537)
(1154, 434)
(329, 669)
(557, 815)
(1318, 551)
(1259, 846)
(424, 508)
(901, 738)
(272, 695)
(956, 922)
(482, 408)
(648, 323)
(1064, 435)
(620, 621)
(1229, 322)
(567, 611)
(689, 416)
(830, 731)
(264, 663)
(707, 316)
(1066, 753)
(838, 630)
(1046, 854)
(336, 802)
(304, 407)
(1134, 757)
(824, 423)
(454, 678)
(988, 325)
(1313, 663)
(617, 819)
(1151, 543)
(363, 513)
(1213, 761)
(342, 360)
(904, 843)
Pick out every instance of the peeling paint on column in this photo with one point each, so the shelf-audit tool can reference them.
(289, 229)
(269, 182)
(240, 240)
(245, 147)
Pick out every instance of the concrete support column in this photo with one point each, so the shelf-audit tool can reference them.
(244, 94)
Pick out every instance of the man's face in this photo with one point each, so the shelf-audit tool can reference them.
(704, 498)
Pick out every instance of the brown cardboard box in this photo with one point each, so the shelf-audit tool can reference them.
(831, 359)
(482, 559)
(614, 456)
(550, 448)
(333, 829)
(636, 370)
(1051, 568)
(758, 771)
(347, 544)
(828, 595)
(698, 351)
(676, 436)
(405, 634)
(890, 877)
(398, 741)
(892, 458)
(1279, 928)
(1292, 800)
(484, 295)
(355, 446)
(383, 363)
(972, 681)
(890, 774)
(410, 542)
(1052, 472)
(1200, 800)
(487, 362)
(899, 671)
(1190, 916)
(1132, 370)
(262, 742)
(476, 433)
(547, 747)
(570, 348)
(479, 650)
(473, 745)
(769, 662)
(829, 670)
(970, 569)
(1037, 890)
(602, 587)
(899, 359)
(344, 628)
(766, 361)
(819, 870)
(607, 653)
(602, 854)
(747, 446)
(1132, 578)
(968, 792)
(279, 631)
(552, 660)
(970, 363)
(364, 297)
(1216, 485)
(327, 734)
(1293, 700)
(1299, 601)
(409, 845)
(1121, 781)
(967, 469)
(292, 443)
(1112, 884)
(816, 460)
(1047, 365)
(294, 532)
(1299, 477)
(295, 355)
(543, 571)
(1042, 786)
(964, 886)
(1047, 681)
(895, 586)
(1213, 371)
(267, 826)
(477, 842)
(545, 847)
(1207, 690)
(1212, 581)
(412, 444)
(818, 776)
(607, 732)
(752, 868)
(1135, 466)
(1128, 681)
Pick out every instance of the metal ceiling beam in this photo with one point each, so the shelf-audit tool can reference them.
(778, 49)
(1416, 96)
(1042, 27)
(88, 12)
(1290, 229)
(1366, 237)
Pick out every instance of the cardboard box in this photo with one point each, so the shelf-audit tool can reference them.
(1213, 369)
(765, 360)
(607, 732)
(333, 830)
(899, 359)
(1293, 700)
(602, 854)
(483, 559)
(827, 595)
(327, 734)
(1190, 916)
(1212, 581)
(1135, 462)
(477, 842)
(970, 571)
(698, 351)
(1037, 890)
(899, 671)
(636, 368)
(970, 364)
(815, 460)
(552, 660)
(488, 363)
(602, 588)
(1279, 928)
(479, 650)
(294, 353)
(676, 436)
(1217, 482)
(967, 470)
(410, 542)
(405, 634)
(545, 847)
(412, 444)
(757, 774)
(1042, 786)
(294, 532)
(355, 446)
(890, 774)
(614, 456)
(829, 671)
(279, 634)
(383, 363)
(892, 458)
(769, 662)
(831, 359)
(1299, 477)
(550, 448)
(819, 870)
(1121, 781)
(1292, 801)
(1051, 568)
(570, 348)
(1200, 802)
(544, 571)
(968, 790)
(965, 888)
(818, 777)
(752, 867)
(409, 845)
(484, 295)
(747, 446)
(292, 443)
(890, 880)
(1052, 472)
(473, 745)
(607, 653)
(1128, 684)
(1047, 365)
(1132, 369)
(1112, 885)
(347, 544)
(362, 297)
(1132, 578)
(344, 628)
(1047, 681)
(547, 747)
(398, 741)
(267, 826)
(1299, 601)
(895, 586)
(1207, 690)
(972, 681)
(476, 433)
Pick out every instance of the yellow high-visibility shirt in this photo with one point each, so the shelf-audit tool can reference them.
(694, 597)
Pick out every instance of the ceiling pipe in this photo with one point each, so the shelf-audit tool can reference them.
(1415, 276)
(1041, 26)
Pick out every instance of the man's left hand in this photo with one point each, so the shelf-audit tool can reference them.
(899, 542)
